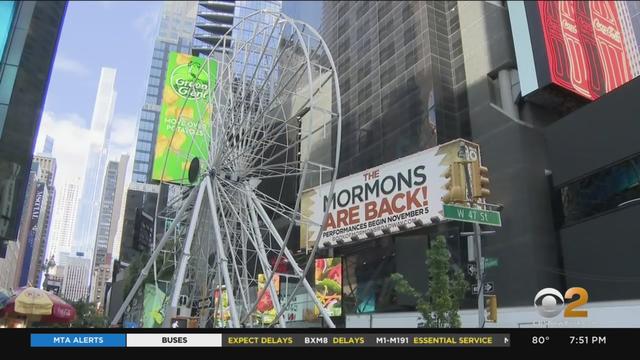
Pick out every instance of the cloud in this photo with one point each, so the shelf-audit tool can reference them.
(123, 135)
(70, 66)
(71, 144)
(146, 24)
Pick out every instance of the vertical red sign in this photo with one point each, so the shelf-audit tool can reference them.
(585, 46)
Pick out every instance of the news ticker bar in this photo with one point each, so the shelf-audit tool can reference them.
(270, 340)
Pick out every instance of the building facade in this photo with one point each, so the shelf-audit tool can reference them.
(216, 18)
(403, 89)
(107, 221)
(48, 167)
(29, 32)
(75, 276)
(64, 219)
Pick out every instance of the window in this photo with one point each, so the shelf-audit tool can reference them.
(141, 167)
(152, 90)
(151, 99)
(608, 189)
(142, 156)
(173, 47)
(148, 115)
(155, 71)
(157, 63)
(143, 146)
(157, 53)
(154, 80)
(146, 125)
(139, 177)
(145, 135)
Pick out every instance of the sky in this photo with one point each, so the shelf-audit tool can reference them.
(95, 34)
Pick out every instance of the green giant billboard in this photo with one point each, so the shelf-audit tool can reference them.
(184, 128)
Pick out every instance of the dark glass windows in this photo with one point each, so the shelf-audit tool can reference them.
(605, 190)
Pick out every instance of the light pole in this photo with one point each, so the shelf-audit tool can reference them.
(462, 154)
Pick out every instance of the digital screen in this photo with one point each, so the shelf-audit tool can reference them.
(184, 127)
(6, 16)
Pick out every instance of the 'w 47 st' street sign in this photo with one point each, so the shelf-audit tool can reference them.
(466, 214)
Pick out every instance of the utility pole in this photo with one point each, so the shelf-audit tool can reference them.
(477, 236)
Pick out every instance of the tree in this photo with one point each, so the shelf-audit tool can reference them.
(87, 316)
(447, 286)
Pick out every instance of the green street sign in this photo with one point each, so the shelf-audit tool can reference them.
(490, 262)
(478, 216)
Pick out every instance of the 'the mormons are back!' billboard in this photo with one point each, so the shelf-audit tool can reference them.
(587, 47)
(185, 117)
(401, 194)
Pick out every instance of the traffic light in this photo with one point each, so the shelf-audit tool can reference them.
(456, 184)
(479, 180)
(491, 307)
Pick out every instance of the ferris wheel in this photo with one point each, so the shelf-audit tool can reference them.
(264, 126)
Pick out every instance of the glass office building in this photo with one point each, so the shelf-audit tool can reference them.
(29, 32)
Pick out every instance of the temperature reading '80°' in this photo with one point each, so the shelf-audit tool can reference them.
(539, 340)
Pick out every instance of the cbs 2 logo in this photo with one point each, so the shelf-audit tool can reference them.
(549, 302)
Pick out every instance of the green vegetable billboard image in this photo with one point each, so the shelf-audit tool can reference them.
(329, 284)
(153, 308)
(185, 117)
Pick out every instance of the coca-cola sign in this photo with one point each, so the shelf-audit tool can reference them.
(587, 47)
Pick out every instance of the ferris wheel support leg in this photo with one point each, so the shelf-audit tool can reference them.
(152, 258)
(184, 259)
(296, 268)
(222, 256)
(262, 256)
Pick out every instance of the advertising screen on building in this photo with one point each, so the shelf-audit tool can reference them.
(153, 307)
(396, 196)
(329, 284)
(6, 17)
(33, 230)
(587, 47)
(184, 127)
(266, 310)
(221, 305)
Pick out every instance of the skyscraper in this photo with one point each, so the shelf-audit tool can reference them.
(48, 146)
(401, 73)
(29, 32)
(89, 207)
(47, 175)
(174, 34)
(215, 18)
(64, 219)
(107, 221)
(75, 282)
(32, 229)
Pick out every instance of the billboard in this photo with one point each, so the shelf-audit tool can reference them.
(154, 301)
(328, 277)
(396, 196)
(221, 305)
(33, 231)
(266, 310)
(185, 117)
(587, 47)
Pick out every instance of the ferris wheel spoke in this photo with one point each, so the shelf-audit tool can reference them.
(233, 255)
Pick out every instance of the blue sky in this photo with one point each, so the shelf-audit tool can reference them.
(114, 34)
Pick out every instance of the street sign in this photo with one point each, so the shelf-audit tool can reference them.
(488, 288)
(471, 269)
(490, 262)
(466, 214)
